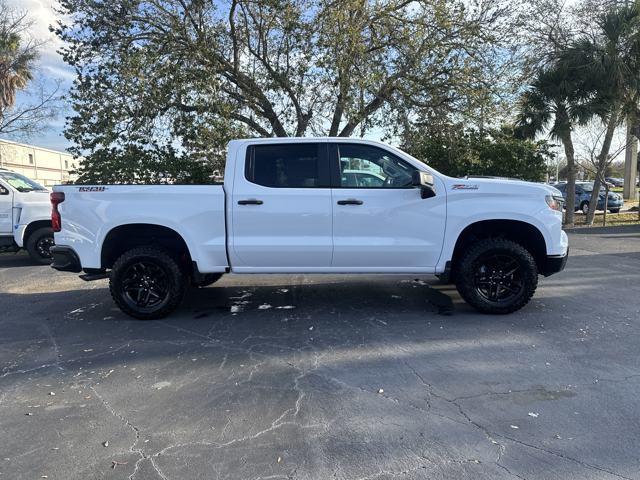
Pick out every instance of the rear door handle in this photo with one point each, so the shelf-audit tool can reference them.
(251, 201)
(350, 201)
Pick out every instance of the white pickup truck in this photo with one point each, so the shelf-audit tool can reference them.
(25, 216)
(312, 205)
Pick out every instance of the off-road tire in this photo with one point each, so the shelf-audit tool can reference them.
(615, 210)
(34, 245)
(170, 272)
(471, 263)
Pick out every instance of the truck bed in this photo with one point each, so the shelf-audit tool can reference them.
(196, 212)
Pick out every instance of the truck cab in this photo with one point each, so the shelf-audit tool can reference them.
(25, 216)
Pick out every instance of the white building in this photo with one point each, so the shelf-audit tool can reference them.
(45, 166)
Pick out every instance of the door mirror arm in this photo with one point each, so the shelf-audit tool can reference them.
(424, 181)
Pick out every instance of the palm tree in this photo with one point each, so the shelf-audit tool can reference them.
(16, 63)
(607, 64)
(554, 103)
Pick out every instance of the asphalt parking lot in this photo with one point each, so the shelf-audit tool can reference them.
(319, 377)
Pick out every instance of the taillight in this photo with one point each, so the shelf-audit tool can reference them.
(56, 220)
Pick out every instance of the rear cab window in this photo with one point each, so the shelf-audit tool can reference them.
(288, 165)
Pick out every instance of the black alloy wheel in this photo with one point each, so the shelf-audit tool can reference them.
(43, 247)
(498, 277)
(145, 285)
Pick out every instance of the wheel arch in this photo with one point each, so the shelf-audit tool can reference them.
(124, 237)
(32, 227)
(522, 232)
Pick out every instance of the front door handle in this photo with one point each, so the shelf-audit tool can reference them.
(350, 201)
(251, 201)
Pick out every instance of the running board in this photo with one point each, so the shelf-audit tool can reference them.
(89, 277)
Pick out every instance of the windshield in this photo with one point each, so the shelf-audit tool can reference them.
(588, 187)
(20, 182)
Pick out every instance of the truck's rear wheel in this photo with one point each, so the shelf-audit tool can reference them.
(497, 276)
(38, 245)
(147, 283)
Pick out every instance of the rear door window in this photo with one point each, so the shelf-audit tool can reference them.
(292, 165)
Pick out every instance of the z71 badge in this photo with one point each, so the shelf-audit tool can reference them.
(91, 189)
(464, 186)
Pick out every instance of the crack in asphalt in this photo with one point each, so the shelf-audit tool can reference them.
(132, 448)
(276, 424)
(541, 389)
(502, 449)
(616, 380)
(62, 365)
(508, 392)
(565, 457)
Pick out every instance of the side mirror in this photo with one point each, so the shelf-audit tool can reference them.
(3, 191)
(424, 181)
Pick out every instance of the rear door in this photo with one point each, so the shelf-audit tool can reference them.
(380, 221)
(281, 208)
(6, 210)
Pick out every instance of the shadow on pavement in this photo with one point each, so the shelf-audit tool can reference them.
(20, 259)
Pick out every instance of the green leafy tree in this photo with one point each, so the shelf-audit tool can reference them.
(181, 77)
(459, 151)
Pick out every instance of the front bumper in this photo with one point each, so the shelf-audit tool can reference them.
(65, 259)
(554, 264)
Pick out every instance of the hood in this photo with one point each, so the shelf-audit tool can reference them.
(501, 186)
(35, 198)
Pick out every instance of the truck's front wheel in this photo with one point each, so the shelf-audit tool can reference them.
(147, 283)
(497, 276)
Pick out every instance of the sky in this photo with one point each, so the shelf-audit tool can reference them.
(51, 66)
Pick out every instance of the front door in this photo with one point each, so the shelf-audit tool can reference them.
(6, 210)
(281, 209)
(380, 221)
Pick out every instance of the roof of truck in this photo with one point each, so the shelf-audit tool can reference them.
(308, 139)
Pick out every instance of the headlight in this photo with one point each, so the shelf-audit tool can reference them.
(555, 202)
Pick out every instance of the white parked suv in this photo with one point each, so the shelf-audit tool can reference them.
(25, 216)
(290, 206)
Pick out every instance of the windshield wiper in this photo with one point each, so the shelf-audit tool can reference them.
(23, 189)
